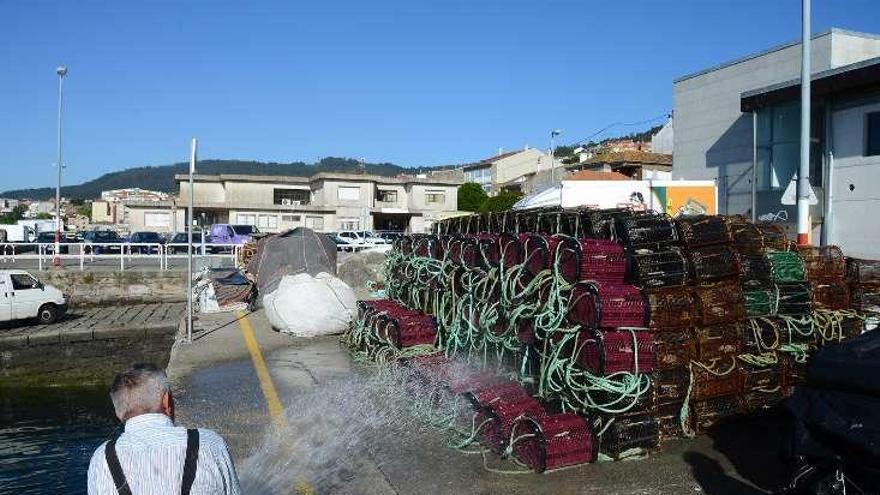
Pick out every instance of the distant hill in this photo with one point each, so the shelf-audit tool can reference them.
(161, 178)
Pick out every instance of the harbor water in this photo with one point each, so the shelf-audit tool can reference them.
(47, 437)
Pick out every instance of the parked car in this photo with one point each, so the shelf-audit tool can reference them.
(144, 238)
(390, 237)
(101, 237)
(224, 233)
(48, 238)
(177, 243)
(343, 243)
(25, 297)
(362, 237)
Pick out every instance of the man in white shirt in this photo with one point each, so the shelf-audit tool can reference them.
(152, 456)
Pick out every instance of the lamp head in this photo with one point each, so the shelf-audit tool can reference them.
(61, 70)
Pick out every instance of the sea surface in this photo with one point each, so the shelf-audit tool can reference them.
(47, 437)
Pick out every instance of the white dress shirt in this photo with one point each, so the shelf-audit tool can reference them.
(151, 452)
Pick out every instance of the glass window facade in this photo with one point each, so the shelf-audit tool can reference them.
(779, 129)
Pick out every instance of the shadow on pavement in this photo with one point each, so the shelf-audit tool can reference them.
(754, 445)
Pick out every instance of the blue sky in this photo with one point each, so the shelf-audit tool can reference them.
(413, 82)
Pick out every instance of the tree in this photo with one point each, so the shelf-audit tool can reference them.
(43, 216)
(471, 197)
(15, 215)
(503, 201)
(84, 210)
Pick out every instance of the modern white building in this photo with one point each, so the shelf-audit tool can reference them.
(739, 124)
(509, 170)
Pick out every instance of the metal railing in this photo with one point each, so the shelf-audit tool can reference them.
(125, 252)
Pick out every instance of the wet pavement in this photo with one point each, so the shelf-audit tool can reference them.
(353, 431)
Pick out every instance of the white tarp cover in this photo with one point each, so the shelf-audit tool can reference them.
(308, 306)
(548, 197)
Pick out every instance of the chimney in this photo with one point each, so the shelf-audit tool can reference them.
(500, 151)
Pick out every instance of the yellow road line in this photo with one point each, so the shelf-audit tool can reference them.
(269, 392)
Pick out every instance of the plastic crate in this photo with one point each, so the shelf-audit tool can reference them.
(659, 268)
(606, 306)
(721, 302)
(673, 348)
(553, 441)
(712, 263)
(670, 307)
(703, 230)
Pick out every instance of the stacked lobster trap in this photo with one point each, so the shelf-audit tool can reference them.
(599, 333)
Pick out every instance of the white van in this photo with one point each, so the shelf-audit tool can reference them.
(22, 297)
(16, 233)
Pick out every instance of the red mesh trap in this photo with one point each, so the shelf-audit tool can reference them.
(488, 250)
(549, 442)
(713, 263)
(774, 236)
(407, 331)
(604, 352)
(606, 306)
(719, 303)
(464, 381)
(603, 261)
(536, 252)
(670, 307)
(659, 268)
(703, 230)
(463, 250)
(511, 250)
(501, 413)
(426, 246)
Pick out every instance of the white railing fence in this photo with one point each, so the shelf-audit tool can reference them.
(86, 254)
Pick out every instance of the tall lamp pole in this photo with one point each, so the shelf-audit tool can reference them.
(189, 243)
(803, 185)
(61, 71)
(553, 134)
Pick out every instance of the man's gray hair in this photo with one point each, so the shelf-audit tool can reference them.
(138, 390)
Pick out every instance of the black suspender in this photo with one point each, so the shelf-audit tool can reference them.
(115, 468)
(189, 464)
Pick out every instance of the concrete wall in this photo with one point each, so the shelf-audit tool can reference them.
(417, 199)
(664, 140)
(854, 226)
(89, 288)
(515, 166)
(713, 138)
(203, 192)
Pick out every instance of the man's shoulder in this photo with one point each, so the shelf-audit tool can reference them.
(211, 438)
(99, 452)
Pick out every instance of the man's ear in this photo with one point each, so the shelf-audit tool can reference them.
(168, 405)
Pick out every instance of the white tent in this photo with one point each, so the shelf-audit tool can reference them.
(548, 197)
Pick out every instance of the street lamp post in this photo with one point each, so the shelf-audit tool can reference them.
(61, 71)
(553, 134)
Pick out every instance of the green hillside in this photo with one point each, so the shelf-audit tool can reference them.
(161, 178)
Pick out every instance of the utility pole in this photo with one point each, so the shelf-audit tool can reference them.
(189, 244)
(553, 134)
(803, 185)
(61, 71)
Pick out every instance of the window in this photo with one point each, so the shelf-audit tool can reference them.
(349, 224)
(435, 197)
(291, 197)
(157, 219)
(315, 223)
(872, 134)
(291, 218)
(23, 281)
(386, 195)
(267, 221)
(347, 193)
(246, 219)
(779, 145)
